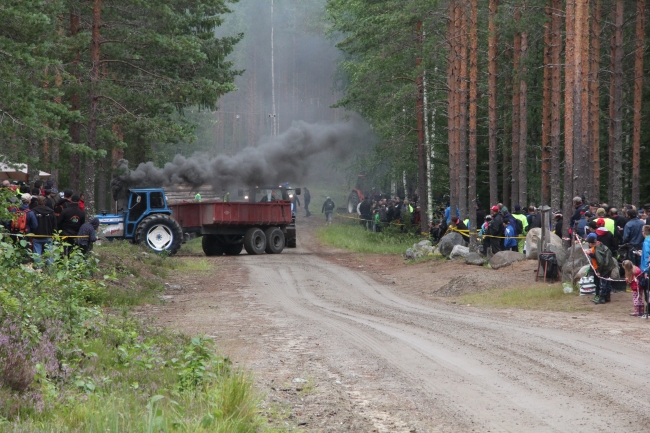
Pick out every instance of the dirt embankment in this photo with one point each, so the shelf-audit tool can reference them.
(361, 343)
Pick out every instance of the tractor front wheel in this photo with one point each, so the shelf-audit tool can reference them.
(160, 233)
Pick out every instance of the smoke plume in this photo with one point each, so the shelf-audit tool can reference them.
(287, 157)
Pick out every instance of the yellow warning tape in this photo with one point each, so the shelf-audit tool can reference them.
(467, 232)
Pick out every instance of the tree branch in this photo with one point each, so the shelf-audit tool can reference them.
(116, 103)
(136, 67)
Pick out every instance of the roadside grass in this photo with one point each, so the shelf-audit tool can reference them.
(191, 247)
(73, 358)
(194, 265)
(355, 238)
(536, 297)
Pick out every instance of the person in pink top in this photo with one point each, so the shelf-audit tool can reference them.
(632, 274)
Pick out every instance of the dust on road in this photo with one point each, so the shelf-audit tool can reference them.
(370, 356)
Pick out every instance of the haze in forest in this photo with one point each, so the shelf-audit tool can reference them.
(305, 63)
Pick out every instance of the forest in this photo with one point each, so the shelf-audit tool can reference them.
(520, 102)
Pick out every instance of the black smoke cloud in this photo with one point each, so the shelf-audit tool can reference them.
(285, 158)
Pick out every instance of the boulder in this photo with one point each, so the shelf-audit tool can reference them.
(505, 258)
(459, 251)
(570, 269)
(425, 244)
(561, 254)
(532, 240)
(448, 242)
(474, 259)
(581, 273)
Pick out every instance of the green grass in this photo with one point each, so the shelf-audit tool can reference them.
(355, 238)
(537, 297)
(194, 265)
(192, 247)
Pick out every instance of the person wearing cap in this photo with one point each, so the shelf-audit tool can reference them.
(70, 220)
(559, 222)
(328, 208)
(524, 225)
(89, 230)
(605, 236)
(510, 241)
(603, 264)
(32, 223)
(495, 230)
(485, 227)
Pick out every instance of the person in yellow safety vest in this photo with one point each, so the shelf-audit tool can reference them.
(609, 223)
(226, 197)
(197, 197)
(524, 222)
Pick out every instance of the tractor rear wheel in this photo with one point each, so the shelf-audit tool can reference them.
(159, 232)
(274, 240)
(212, 246)
(254, 241)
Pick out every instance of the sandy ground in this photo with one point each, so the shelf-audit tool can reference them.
(342, 342)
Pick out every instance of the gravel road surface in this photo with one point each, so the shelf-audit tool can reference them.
(380, 360)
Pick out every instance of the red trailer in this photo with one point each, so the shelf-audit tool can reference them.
(228, 227)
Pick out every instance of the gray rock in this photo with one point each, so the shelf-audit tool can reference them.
(459, 251)
(561, 254)
(410, 254)
(425, 244)
(570, 269)
(448, 242)
(532, 240)
(505, 258)
(474, 259)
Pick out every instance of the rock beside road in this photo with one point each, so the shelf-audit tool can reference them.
(474, 259)
(459, 251)
(448, 242)
(532, 240)
(505, 258)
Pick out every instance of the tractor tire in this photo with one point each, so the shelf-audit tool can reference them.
(212, 246)
(353, 202)
(160, 233)
(254, 241)
(274, 240)
(234, 249)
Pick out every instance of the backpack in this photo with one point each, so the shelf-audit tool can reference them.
(19, 223)
(329, 205)
(519, 227)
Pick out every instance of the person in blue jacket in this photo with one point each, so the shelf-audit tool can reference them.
(510, 242)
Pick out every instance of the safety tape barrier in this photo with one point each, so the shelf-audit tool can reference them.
(577, 241)
(29, 235)
(468, 232)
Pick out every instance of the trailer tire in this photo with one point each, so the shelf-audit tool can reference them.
(211, 246)
(160, 233)
(254, 241)
(274, 240)
(233, 249)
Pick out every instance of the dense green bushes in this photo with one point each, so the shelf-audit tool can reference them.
(71, 361)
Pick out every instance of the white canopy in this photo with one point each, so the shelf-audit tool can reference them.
(18, 172)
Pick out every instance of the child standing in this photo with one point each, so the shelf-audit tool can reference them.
(632, 274)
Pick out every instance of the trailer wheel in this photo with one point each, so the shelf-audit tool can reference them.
(212, 246)
(274, 240)
(160, 233)
(254, 241)
(233, 249)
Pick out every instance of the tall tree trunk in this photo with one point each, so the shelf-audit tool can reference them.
(569, 74)
(75, 105)
(580, 71)
(274, 113)
(638, 94)
(93, 112)
(523, 124)
(546, 110)
(422, 150)
(616, 100)
(473, 92)
(451, 104)
(462, 162)
(516, 129)
(493, 43)
(585, 155)
(594, 105)
(556, 97)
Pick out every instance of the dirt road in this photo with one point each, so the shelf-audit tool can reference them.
(340, 351)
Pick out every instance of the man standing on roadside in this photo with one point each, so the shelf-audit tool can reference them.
(71, 220)
(328, 208)
(495, 229)
(307, 198)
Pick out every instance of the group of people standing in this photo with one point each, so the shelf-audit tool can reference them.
(40, 211)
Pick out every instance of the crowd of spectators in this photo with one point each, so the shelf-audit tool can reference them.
(377, 212)
(40, 210)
